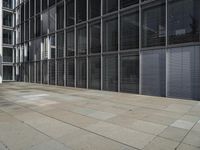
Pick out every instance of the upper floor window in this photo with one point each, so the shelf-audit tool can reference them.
(8, 3)
(183, 21)
(7, 18)
(7, 36)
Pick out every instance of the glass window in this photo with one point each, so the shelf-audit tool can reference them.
(51, 2)
(126, 3)
(52, 15)
(183, 21)
(27, 9)
(31, 50)
(153, 24)
(37, 6)
(129, 73)
(27, 30)
(38, 26)
(60, 72)
(110, 72)
(8, 3)
(81, 74)
(44, 4)
(95, 37)
(7, 18)
(129, 31)
(22, 32)
(81, 41)
(94, 73)
(94, 8)
(153, 71)
(7, 72)
(70, 43)
(52, 47)
(7, 54)
(7, 36)
(110, 34)
(32, 5)
(60, 44)
(38, 49)
(32, 33)
(22, 12)
(70, 72)
(44, 72)
(52, 72)
(110, 5)
(70, 12)
(80, 10)
(45, 48)
(60, 16)
(38, 72)
(44, 23)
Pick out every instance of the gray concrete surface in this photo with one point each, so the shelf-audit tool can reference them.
(39, 117)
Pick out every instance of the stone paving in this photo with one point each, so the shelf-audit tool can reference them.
(39, 117)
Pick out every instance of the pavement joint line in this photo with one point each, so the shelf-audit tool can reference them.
(187, 132)
(71, 125)
(38, 130)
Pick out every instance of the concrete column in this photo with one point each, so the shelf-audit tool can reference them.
(1, 41)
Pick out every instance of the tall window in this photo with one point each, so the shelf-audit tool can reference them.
(44, 23)
(7, 18)
(52, 46)
(70, 42)
(81, 74)
(7, 72)
(52, 23)
(37, 6)
(110, 5)
(60, 44)
(8, 3)
(60, 16)
(183, 21)
(32, 7)
(51, 2)
(32, 31)
(129, 78)
(95, 37)
(110, 34)
(26, 9)
(70, 12)
(153, 24)
(7, 36)
(129, 30)
(7, 54)
(126, 3)
(44, 4)
(81, 10)
(94, 73)
(38, 25)
(110, 73)
(94, 8)
(81, 40)
(70, 72)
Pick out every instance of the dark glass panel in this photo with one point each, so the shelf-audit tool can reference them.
(70, 43)
(94, 8)
(126, 3)
(95, 37)
(94, 73)
(80, 10)
(81, 74)
(110, 34)
(129, 73)
(129, 30)
(7, 18)
(60, 16)
(60, 44)
(70, 12)
(110, 5)
(110, 72)
(81, 41)
(70, 72)
(153, 24)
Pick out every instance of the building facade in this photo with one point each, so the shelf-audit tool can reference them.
(6, 40)
(149, 47)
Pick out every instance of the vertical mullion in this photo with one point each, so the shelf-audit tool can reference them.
(166, 50)
(140, 46)
(101, 45)
(87, 82)
(75, 55)
(118, 46)
(64, 51)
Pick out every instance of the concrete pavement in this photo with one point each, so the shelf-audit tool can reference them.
(39, 117)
